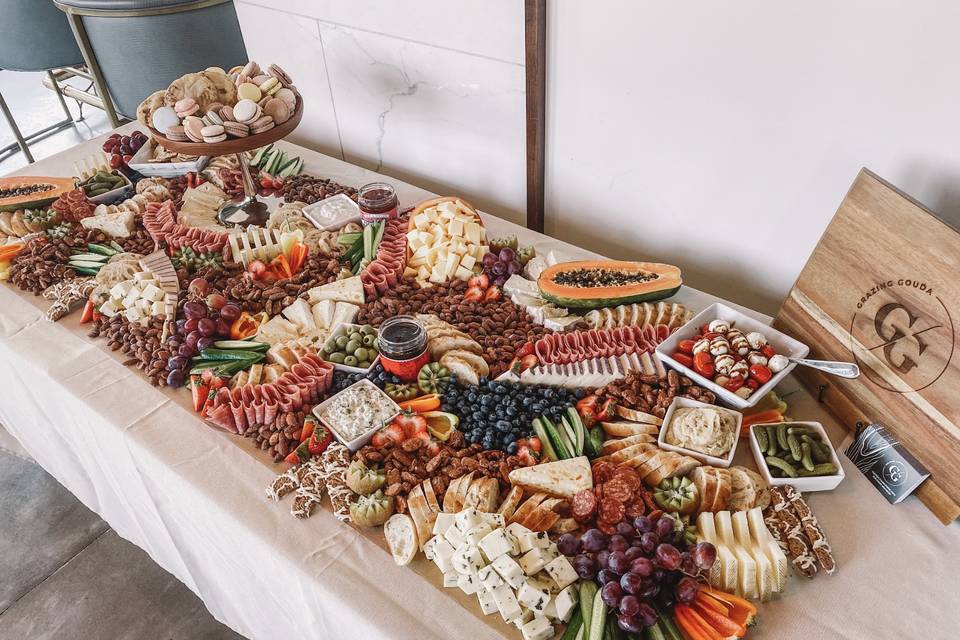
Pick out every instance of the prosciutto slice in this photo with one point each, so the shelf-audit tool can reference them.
(576, 346)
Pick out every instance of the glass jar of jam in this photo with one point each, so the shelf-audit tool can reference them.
(403, 347)
(378, 201)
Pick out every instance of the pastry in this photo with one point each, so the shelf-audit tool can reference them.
(250, 69)
(226, 89)
(270, 86)
(195, 86)
(249, 91)
(262, 124)
(246, 111)
(186, 107)
(213, 133)
(236, 129)
(259, 79)
(177, 133)
(280, 74)
(278, 110)
(148, 106)
(213, 117)
(226, 113)
(193, 127)
(164, 118)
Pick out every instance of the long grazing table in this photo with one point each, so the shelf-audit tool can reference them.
(192, 496)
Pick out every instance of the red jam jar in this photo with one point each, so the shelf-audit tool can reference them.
(378, 201)
(403, 347)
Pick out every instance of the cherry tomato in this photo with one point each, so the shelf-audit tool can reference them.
(768, 351)
(683, 359)
(257, 269)
(710, 335)
(752, 383)
(685, 346)
(703, 364)
(761, 373)
(734, 383)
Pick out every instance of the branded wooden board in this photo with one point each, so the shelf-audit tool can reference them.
(882, 288)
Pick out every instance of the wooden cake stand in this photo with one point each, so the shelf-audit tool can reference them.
(256, 211)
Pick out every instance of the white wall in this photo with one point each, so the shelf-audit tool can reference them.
(717, 136)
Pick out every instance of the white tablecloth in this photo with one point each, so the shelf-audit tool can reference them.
(192, 497)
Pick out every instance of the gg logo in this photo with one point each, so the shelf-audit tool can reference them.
(898, 341)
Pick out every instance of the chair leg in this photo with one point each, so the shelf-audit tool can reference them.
(56, 89)
(80, 35)
(16, 133)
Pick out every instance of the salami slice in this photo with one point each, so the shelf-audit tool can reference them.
(629, 476)
(606, 527)
(618, 489)
(598, 492)
(584, 506)
(611, 511)
(603, 472)
(636, 508)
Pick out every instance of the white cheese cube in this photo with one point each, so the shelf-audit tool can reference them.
(561, 571)
(509, 570)
(443, 555)
(507, 603)
(566, 601)
(493, 519)
(436, 274)
(423, 272)
(471, 231)
(532, 561)
(455, 228)
(451, 579)
(533, 540)
(468, 519)
(489, 577)
(496, 543)
(468, 583)
(143, 276)
(121, 289)
(152, 293)
(421, 221)
(131, 298)
(443, 522)
(143, 306)
(525, 616)
(487, 604)
(537, 629)
(516, 530)
(533, 598)
(454, 536)
(478, 533)
(132, 314)
(467, 559)
(156, 308)
(108, 309)
(467, 262)
(429, 546)
(462, 273)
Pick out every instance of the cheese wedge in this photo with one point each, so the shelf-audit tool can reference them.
(563, 478)
(746, 565)
(766, 545)
(347, 290)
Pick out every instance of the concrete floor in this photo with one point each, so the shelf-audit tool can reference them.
(64, 574)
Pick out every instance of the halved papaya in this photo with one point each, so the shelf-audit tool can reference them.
(27, 192)
(592, 284)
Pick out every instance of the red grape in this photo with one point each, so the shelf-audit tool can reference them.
(206, 327)
(498, 269)
(216, 301)
(231, 312)
(686, 590)
(633, 553)
(626, 530)
(688, 565)
(618, 543)
(198, 287)
(649, 541)
(190, 324)
(665, 526)
(668, 557)
(223, 328)
(648, 615)
(642, 567)
(643, 524)
(568, 544)
(585, 567)
(176, 362)
(489, 259)
(204, 343)
(618, 562)
(192, 338)
(630, 624)
(176, 378)
(194, 310)
(593, 540)
(116, 161)
(631, 582)
(605, 575)
(186, 351)
(611, 594)
(602, 557)
(629, 605)
(704, 554)
(506, 255)
(514, 267)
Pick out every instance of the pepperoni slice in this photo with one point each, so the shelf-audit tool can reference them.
(629, 476)
(606, 527)
(636, 508)
(611, 511)
(602, 472)
(584, 506)
(618, 490)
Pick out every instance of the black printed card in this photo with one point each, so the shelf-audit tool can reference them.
(886, 462)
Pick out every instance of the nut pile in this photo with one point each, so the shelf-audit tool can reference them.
(281, 436)
(414, 461)
(42, 263)
(500, 326)
(255, 296)
(310, 189)
(651, 394)
(141, 343)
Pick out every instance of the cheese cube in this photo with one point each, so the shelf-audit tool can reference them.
(489, 577)
(423, 272)
(447, 210)
(131, 298)
(443, 522)
(487, 604)
(507, 603)
(533, 598)
(455, 228)
(132, 314)
(443, 555)
(143, 306)
(462, 274)
(431, 214)
(509, 570)
(468, 583)
(108, 309)
(121, 289)
(537, 629)
(533, 561)
(451, 579)
(496, 543)
(451, 264)
(493, 519)
(409, 272)
(421, 221)
(468, 519)
(437, 275)
(143, 276)
(561, 571)
(533, 540)
(454, 537)
(156, 308)
(152, 293)
(471, 231)
(525, 616)
(467, 559)
(413, 241)
(516, 530)
(478, 533)
(467, 261)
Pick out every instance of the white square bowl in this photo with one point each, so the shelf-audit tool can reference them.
(679, 402)
(811, 483)
(141, 164)
(332, 213)
(363, 439)
(122, 192)
(781, 342)
(337, 330)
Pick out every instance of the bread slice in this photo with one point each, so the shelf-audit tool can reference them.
(431, 497)
(622, 455)
(742, 492)
(477, 362)
(699, 478)
(528, 506)
(544, 516)
(450, 497)
(488, 495)
(644, 454)
(421, 514)
(443, 344)
(648, 469)
(616, 444)
(637, 416)
(722, 497)
(670, 462)
(564, 525)
(626, 429)
(510, 503)
(684, 466)
(462, 490)
(462, 369)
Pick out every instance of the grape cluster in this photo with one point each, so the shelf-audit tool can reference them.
(202, 324)
(501, 265)
(643, 566)
(376, 375)
(496, 414)
(122, 148)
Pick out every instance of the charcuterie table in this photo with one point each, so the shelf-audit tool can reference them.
(192, 495)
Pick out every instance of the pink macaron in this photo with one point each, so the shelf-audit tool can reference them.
(186, 107)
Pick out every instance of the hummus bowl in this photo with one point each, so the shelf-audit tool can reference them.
(681, 402)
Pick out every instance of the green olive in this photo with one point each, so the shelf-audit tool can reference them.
(368, 340)
(350, 361)
(368, 329)
(360, 354)
(337, 357)
(376, 345)
(364, 364)
(356, 335)
(342, 341)
(352, 346)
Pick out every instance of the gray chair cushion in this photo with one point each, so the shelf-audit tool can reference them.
(35, 36)
(123, 5)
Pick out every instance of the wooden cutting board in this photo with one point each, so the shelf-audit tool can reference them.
(882, 288)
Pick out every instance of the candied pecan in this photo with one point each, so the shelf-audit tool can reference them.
(392, 489)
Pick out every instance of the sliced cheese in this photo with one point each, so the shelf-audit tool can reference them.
(563, 478)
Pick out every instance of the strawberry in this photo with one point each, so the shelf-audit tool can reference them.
(473, 294)
(319, 440)
(492, 295)
(768, 351)
(685, 346)
(528, 457)
(411, 423)
(200, 392)
(481, 281)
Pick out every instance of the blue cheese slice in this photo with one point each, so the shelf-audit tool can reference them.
(467, 559)
(489, 577)
(478, 533)
(468, 519)
(507, 603)
(443, 522)
(533, 540)
(451, 579)
(533, 597)
(468, 583)
(454, 536)
(487, 604)
(532, 561)
(537, 629)
(566, 602)
(493, 519)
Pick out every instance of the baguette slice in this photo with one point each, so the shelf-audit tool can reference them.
(431, 497)
(742, 492)
(670, 462)
(625, 454)
(641, 457)
(510, 503)
(610, 446)
(626, 429)
(450, 497)
(722, 496)
(528, 506)
(699, 477)
(488, 495)
(647, 469)
(637, 416)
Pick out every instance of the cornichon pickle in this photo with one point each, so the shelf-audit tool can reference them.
(805, 458)
(827, 469)
(772, 448)
(819, 451)
(783, 465)
(782, 437)
(795, 451)
(801, 430)
(760, 432)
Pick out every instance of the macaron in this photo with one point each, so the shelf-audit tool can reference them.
(262, 124)
(186, 107)
(216, 70)
(287, 96)
(280, 75)
(236, 129)
(164, 118)
(213, 133)
(278, 110)
(250, 69)
(193, 127)
(226, 113)
(213, 117)
(249, 91)
(246, 111)
(259, 79)
(176, 133)
(235, 71)
(270, 86)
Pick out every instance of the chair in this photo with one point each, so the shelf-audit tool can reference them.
(34, 36)
(135, 47)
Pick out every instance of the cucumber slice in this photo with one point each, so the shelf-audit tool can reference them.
(579, 429)
(90, 257)
(259, 154)
(555, 439)
(598, 617)
(241, 344)
(368, 232)
(548, 451)
(588, 590)
(103, 249)
(378, 236)
(86, 271)
(116, 246)
(574, 626)
(86, 264)
(230, 354)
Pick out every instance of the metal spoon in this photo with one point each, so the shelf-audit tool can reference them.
(841, 369)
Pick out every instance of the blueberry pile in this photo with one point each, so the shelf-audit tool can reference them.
(376, 375)
(497, 414)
